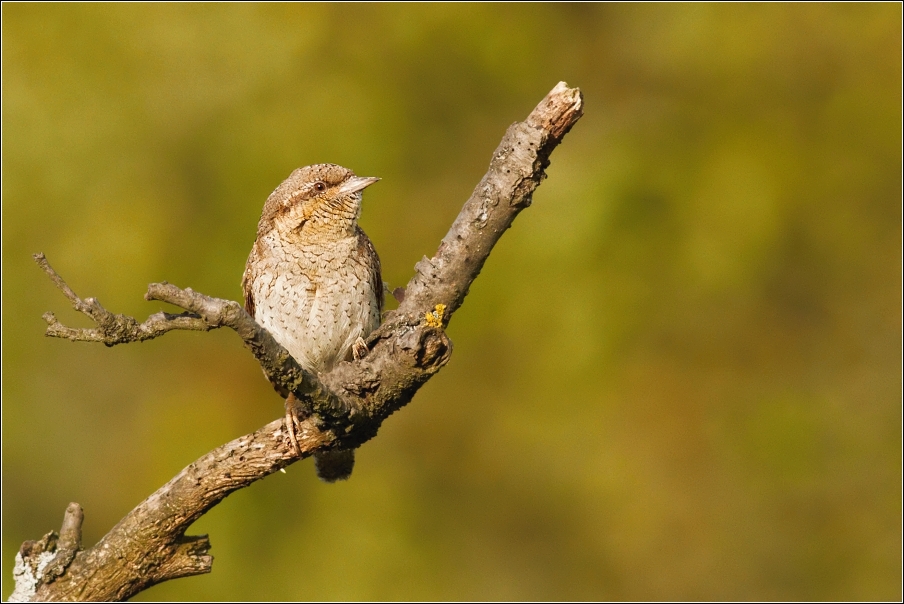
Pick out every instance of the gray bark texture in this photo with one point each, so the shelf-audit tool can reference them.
(343, 408)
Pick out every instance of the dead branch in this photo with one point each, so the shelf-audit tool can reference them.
(345, 406)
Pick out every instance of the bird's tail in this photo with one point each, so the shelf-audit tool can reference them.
(334, 465)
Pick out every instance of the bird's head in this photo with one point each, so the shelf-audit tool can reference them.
(318, 200)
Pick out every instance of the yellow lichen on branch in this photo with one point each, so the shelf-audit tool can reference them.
(434, 318)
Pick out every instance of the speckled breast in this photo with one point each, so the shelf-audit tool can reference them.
(316, 300)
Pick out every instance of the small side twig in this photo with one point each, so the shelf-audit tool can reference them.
(41, 562)
(113, 328)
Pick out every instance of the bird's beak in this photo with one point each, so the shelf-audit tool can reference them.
(357, 183)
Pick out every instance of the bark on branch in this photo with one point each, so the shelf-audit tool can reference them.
(345, 406)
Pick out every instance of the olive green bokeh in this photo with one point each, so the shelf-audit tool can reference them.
(677, 377)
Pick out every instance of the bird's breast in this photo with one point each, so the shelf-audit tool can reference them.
(315, 299)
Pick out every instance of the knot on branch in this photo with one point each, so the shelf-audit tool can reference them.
(430, 346)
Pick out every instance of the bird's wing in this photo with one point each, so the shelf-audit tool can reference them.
(247, 279)
(366, 249)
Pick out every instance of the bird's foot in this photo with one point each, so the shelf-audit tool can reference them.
(359, 349)
(293, 422)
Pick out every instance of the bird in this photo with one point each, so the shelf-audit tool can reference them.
(313, 281)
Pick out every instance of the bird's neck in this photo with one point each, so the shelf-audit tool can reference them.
(312, 232)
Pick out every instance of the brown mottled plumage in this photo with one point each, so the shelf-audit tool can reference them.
(313, 278)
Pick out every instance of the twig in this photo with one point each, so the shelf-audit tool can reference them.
(111, 328)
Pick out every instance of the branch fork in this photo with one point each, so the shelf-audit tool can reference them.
(344, 407)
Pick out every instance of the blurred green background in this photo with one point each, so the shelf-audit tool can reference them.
(679, 375)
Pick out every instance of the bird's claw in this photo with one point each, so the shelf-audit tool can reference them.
(359, 349)
(293, 423)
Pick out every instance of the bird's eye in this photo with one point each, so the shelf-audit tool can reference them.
(319, 186)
